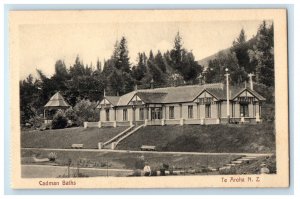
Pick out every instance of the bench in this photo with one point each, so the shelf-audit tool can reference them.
(77, 146)
(148, 148)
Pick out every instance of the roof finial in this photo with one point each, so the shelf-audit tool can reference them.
(135, 87)
(104, 93)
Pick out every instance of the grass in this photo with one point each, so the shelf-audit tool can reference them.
(64, 138)
(247, 138)
(129, 160)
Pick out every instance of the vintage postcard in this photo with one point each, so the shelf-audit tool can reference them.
(149, 98)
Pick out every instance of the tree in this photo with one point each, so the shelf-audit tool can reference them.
(61, 75)
(139, 71)
(77, 69)
(115, 83)
(263, 54)
(176, 52)
(30, 102)
(122, 58)
(183, 61)
(99, 67)
(159, 61)
(240, 48)
(155, 71)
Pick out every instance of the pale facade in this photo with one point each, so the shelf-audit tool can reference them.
(197, 104)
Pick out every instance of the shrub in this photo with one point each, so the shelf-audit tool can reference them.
(36, 121)
(60, 120)
(86, 112)
(71, 116)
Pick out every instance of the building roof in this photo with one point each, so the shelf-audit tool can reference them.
(57, 100)
(113, 99)
(179, 94)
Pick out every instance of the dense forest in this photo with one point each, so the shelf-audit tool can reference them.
(83, 85)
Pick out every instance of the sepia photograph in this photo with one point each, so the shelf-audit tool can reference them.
(156, 98)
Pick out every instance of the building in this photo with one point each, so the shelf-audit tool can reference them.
(193, 104)
(55, 103)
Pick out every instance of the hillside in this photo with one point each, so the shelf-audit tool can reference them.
(204, 62)
(258, 138)
(64, 138)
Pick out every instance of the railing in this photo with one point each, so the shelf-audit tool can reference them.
(192, 121)
(239, 120)
(139, 122)
(118, 136)
(90, 124)
(154, 122)
(108, 124)
(123, 123)
(211, 121)
(172, 121)
(129, 133)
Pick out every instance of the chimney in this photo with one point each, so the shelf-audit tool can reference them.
(152, 84)
(135, 87)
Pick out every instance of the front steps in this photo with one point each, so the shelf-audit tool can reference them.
(112, 143)
(245, 158)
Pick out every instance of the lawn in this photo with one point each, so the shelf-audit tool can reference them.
(129, 160)
(247, 138)
(64, 138)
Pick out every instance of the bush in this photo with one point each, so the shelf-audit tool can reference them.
(86, 112)
(36, 121)
(72, 116)
(60, 120)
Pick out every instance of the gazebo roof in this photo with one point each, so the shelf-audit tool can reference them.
(57, 101)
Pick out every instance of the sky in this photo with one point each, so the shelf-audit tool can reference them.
(40, 46)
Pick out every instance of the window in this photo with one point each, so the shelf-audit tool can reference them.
(171, 112)
(190, 111)
(205, 100)
(141, 113)
(124, 114)
(107, 114)
(207, 110)
(156, 113)
(244, 110)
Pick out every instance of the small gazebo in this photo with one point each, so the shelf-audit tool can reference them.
(55, 103)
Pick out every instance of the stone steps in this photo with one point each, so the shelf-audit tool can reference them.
(238, 161)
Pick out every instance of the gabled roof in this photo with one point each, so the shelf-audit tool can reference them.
(179, 94)
(57, 100)
(113, 99)
(253, 92)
